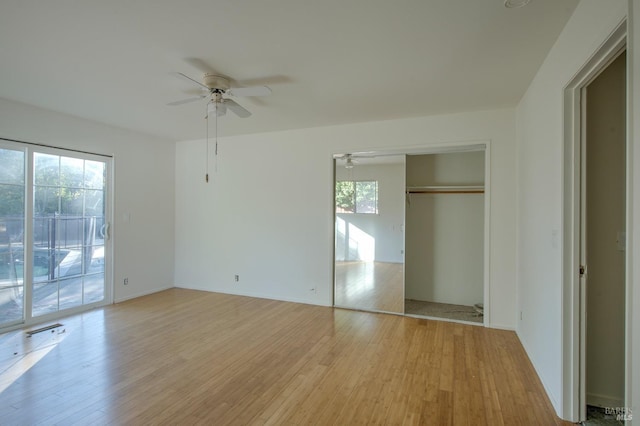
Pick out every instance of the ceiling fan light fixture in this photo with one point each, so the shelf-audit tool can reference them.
(217, 108)
(513, 4)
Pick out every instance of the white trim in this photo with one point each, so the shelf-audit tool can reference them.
(487, 237)
(158, 290)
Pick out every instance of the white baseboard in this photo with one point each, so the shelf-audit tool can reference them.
(143, 293)
(257, 295)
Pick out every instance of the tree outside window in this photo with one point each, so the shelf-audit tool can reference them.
(357, 197)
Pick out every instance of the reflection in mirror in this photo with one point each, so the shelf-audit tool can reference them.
(369, 232)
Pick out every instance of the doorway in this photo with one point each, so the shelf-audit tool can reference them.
(576, 270)
(603, 239)
(54, 232)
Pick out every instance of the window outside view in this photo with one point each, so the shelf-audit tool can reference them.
(357, 197)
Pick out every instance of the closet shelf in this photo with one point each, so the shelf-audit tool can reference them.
(446, 189)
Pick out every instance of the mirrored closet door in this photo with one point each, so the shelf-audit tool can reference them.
(369, 232)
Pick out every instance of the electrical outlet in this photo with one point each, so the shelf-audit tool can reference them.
(126, 281)
(237, 278)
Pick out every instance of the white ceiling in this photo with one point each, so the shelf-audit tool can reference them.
(327, 61)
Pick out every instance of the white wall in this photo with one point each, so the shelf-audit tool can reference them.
(540, 180)
(384, 229)
(267, 214)
(445, 232)
(144, 189)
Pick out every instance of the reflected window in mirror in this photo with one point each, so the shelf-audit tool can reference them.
(357, 197)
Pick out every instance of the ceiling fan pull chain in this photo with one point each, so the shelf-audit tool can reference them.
(216, 148)
(206, 176)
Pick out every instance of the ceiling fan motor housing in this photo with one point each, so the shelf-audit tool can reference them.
(213, 81)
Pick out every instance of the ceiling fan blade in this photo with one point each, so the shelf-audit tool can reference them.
(190, 80)
(200, 65)
(237, 108)
(249, 91)
(186, 101)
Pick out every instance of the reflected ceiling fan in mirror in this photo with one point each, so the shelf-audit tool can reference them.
(349, 163)
(216, 88)
(349, 160)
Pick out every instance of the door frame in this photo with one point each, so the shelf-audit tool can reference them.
(573, 305)
(438, 148)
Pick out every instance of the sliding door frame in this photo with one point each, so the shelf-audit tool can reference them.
(30, 149)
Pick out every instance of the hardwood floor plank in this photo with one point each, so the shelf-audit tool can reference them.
(190, 357)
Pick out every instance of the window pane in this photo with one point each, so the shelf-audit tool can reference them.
(11, 264)
(11, 166)
(11, 200)
(69, 232)
(345, 197)
(94, 174)
(70, 293)
(71, 201)
(96, 259)
(46, 169)
(93, 288)
(71, 172)
(367, 197)
(94, 201)
(69, 262)
(45, 201)
(45, 298)
(11, 304)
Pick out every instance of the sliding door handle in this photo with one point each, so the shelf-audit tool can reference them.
(105, 231)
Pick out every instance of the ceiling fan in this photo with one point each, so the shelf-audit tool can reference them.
(214, 87)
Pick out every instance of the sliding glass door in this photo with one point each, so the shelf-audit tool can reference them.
(62, 263)
(68, 232)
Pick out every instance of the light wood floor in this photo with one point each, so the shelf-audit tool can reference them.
(379, 287)
(189, 357)
(373, 286)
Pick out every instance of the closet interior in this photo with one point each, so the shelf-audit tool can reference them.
(444, 240)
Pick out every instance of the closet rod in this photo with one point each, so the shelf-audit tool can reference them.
(449, 191)
(446, 189)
